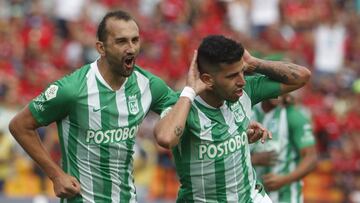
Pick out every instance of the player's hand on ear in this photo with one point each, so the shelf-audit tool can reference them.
(248, 61)
(193, 79)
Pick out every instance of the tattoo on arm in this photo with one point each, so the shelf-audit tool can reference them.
(273, 74)
(178, 131)
(279, 71)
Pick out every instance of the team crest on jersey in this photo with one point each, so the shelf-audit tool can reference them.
(133, 105)
(238, 113)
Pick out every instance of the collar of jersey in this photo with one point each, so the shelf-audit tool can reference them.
(100, 77)
(202, 102)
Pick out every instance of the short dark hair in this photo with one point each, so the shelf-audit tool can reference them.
(217, 49)
(119, 15)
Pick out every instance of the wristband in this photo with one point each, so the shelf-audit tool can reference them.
(188, 92)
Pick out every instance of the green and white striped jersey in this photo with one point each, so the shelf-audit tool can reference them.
(291, 131)
(97, 128)
(213, 158)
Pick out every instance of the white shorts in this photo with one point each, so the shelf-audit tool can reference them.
(259, 198)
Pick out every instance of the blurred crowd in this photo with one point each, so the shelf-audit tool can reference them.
(42, 40)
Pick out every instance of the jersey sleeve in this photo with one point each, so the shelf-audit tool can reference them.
(172, 99)
(171, 102)
(300, 129)
(53, 104)
(260, 87)
(161, 94)
(189, 124)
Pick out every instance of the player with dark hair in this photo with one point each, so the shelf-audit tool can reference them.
(206, 125)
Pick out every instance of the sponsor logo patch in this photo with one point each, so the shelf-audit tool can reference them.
(117, 135)
(51, 92)
(217, 150)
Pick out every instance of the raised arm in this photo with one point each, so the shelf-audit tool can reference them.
(171, 126)
(23, 127)
(291, 76)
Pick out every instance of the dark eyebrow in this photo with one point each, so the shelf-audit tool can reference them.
(120, 39)
(125, 39)
(136, 38)
(230, 75)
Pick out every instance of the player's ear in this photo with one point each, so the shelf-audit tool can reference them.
(207, 79)
(100, 48)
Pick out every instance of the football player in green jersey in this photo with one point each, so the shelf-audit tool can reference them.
(205, 125)
(294, 145)
(98, 109)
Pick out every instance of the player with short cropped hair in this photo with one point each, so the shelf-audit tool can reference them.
(98, 110)
(206, 124)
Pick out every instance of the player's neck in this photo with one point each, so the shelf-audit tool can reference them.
(113, 80)
(211, 99)
(267, 107)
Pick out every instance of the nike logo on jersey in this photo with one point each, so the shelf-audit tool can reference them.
(99, 109)
(208, 126)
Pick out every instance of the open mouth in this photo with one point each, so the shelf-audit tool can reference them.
(129, 61)
(239, 92)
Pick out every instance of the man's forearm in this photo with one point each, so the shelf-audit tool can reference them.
(306, 165)
(33, 146)
(24, 132)
(284, 72)
(170, 128)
